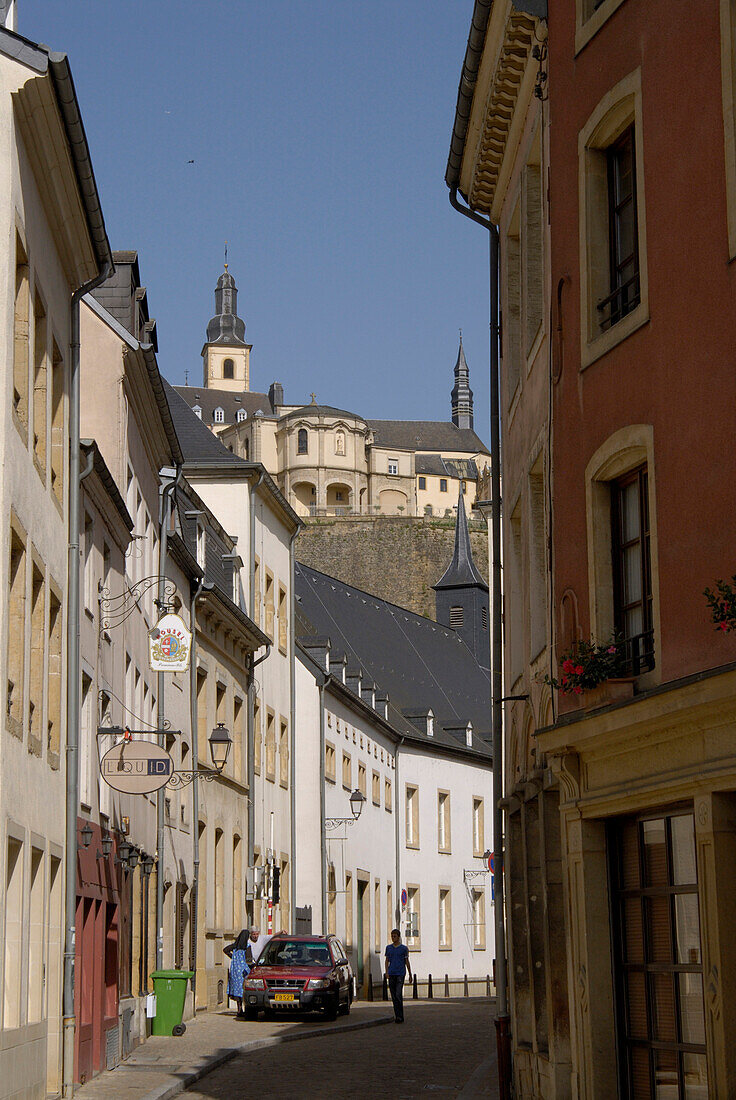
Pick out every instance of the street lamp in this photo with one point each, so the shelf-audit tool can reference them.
(147, 863)
(133, 858)
(220, 745)
(124, 850)
(357, 799)
(106, 845)
(86, 835)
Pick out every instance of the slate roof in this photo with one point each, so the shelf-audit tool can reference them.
(438, 466)
(209, 399)
(426, 435)
(322, 410)
(197, 442)
(420, 663)
(461, 572)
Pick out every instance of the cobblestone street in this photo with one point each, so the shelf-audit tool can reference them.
(445, 1049)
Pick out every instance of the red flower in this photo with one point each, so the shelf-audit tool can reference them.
(611, 649)
(578, 690)
(567, 666)
(578, 670)
(723, 626)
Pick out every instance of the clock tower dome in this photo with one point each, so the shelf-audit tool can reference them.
(225, 354)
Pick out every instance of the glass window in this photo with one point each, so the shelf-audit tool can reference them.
(443, 484)
(632, 575)
(623, 235)
(302, 442)
(422, 483)
(658, 956)
(219, 415)
(228, 368)
(393, 465)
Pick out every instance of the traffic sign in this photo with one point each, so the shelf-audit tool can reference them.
(404, 899)
(136, 767)
(490, 863)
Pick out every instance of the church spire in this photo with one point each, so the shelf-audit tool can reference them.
(461, 594)
(226, 327)
(462, 395)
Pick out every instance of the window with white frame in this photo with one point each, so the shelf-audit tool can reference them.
(413, 929)
(393, 466)
(201, 545)
(197, 410)
(219, 415)
(241, 416)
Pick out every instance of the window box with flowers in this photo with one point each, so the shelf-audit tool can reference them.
(722, 604)
(590, 673)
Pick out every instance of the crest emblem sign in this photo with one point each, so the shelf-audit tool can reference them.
(170, 645)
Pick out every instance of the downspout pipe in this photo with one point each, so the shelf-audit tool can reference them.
(166, 488)
(194, 722)
(251, 770)
(398, 803)
(503, 1036)
(322, 805)
(292, 722)
(73, 686)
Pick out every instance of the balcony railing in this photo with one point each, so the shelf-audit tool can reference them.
(638, 654)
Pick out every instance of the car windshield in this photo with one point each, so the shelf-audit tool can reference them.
(295, 953)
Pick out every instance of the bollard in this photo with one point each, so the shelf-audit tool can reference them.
(488, 985)
(447, 986)
(385, 988)
(370, 986)
(429, 988)
(415, 992)
(465, 986)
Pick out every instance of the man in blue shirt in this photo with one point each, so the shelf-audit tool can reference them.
(397, 964)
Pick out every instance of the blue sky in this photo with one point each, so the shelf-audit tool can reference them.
(319, 131)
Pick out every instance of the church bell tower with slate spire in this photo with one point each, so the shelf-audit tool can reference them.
(461, 594)
(462, 395)
(226, 355)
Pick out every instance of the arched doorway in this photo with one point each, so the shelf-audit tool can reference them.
(305, 498)
(339, 499)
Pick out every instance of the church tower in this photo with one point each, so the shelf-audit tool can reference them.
(461, 595)
(462, 395)
(226, 355)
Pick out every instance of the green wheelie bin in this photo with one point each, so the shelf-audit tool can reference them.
(170, 987)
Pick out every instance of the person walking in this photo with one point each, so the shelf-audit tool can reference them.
(397, 965)
(239, 968)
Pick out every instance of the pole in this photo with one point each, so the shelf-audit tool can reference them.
(193, 711)
(73, 691)
(165, 492)
(503, 1034)
(270, 880)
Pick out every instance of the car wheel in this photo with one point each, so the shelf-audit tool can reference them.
(344, 1009)
(332, 1009)
(250, 1013)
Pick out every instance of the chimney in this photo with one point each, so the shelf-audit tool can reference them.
(319, 650)
(276, 395)
(337, 666)
(381, 704)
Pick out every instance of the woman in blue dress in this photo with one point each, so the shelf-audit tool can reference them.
(239, 969)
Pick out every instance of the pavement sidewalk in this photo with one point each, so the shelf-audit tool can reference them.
(164, 1067)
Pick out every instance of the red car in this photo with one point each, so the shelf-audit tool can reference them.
(311, 973)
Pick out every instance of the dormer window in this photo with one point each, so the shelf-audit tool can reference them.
(197, 410)
(469, 735)
(302, 442)
(242, 414)
(228, 368)
(430, 724)
(219, 415)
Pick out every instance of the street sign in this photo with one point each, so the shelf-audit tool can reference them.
(136, 767)
(170, 644)
(404, 899)
(490, 863)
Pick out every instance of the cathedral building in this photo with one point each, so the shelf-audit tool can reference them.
(326, 460)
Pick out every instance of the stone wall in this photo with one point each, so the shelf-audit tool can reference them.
(395, 557)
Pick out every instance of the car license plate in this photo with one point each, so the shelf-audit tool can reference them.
(283, 997)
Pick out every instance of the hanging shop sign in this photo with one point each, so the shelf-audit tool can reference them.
(170, 644)
(136, 767)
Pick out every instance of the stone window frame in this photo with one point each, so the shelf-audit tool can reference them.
(347, 771)
(21, 337)
(620, 108)
(622, 452)
(479, 834)
(283, 752)
(444, 845)
(270, 745)
(330, 774)
(414, 905)
(443, 484)
(376, 788)
(228, 364)
(422, 482)
(387, 796)
(283, 619)
(411, 824)
(393, 467)
(478, 894)
(17, 630)
(589, 19)
(362, 778)
(302, 441)
(444, 932)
